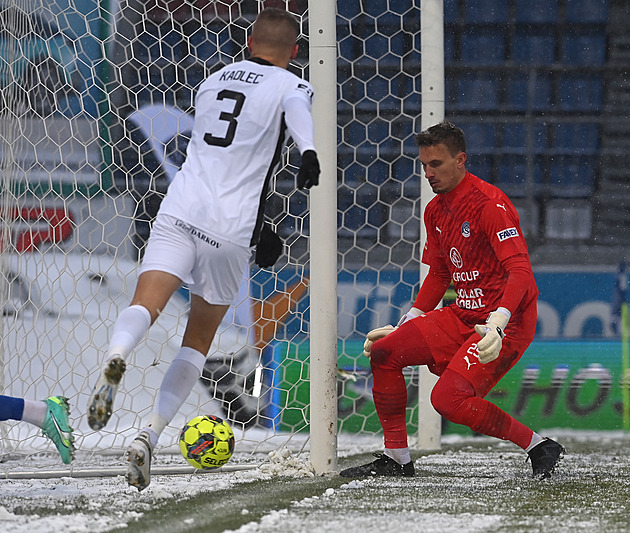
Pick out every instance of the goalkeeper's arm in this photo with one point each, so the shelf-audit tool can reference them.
(433, 288)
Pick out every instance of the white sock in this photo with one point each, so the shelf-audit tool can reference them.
(536, 440)
(178, 381)
(130, 328)
(35, 412)
(400, 455)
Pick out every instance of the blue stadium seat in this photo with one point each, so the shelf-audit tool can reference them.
(486, 12)
(584, 49)
(533, 46)
(481, 166)
(587, 11)
(483, 45)
(572, 176)
(516, 138)
(579, 138)
(513, 176)
(480, 138)
(580, 92)
(451, 11)
(524, 94)
(476, 91)
(536, 11)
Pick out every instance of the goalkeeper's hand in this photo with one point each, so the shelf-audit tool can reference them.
(373, 336)
(492, 335)
(308, 175)
(414, 312)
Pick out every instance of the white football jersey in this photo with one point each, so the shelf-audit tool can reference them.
(237, 140)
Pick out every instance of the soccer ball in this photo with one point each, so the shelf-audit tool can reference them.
(207, 442)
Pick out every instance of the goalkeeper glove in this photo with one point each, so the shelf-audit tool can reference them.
(414, 312)
(375, 335)
(492, 335)
(308, 175)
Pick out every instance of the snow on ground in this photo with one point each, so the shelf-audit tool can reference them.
(471, 485)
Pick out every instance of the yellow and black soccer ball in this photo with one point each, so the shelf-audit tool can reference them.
(207, 442)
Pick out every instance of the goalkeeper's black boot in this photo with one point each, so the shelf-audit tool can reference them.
(383, 466)
(545, 457)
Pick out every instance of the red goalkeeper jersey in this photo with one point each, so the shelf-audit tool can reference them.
(470, 232)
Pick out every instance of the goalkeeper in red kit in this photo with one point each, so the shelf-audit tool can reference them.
(475, 240)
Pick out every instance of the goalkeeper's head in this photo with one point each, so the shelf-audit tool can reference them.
(274, 37)
(443, 156)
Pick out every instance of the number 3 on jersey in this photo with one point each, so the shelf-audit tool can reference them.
(229, 117)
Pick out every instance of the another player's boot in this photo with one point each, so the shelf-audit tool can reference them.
(383, 466)
(57, 428)
(101, 401)
(545, 457)
(139, 459)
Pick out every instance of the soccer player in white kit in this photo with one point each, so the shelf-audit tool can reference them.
(212, 218)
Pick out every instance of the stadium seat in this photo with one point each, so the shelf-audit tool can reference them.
(483, 45)
(587, 11)
(480, 137)
(451, 11)
(536, 11)
(476, 91)
(584, 48)
(579, 138)
(572, 176)
(481, 166)
(516, 138)
(533, 46)
(486, 12)
(580, 92)
(524, 94)
(514, 178)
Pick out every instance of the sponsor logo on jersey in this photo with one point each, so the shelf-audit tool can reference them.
(502, 206)
(456, 258)
(507, 234)
(466, 229)
(470, 275)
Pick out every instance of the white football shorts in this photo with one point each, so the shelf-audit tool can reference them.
(212, 267)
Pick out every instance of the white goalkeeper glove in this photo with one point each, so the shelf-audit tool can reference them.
(414, 312)
(492, 335)
(375, 335)
(381, 332)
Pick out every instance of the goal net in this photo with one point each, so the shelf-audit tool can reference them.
(97, 106)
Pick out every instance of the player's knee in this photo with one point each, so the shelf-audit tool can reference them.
(449, 397)
(380, 353)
